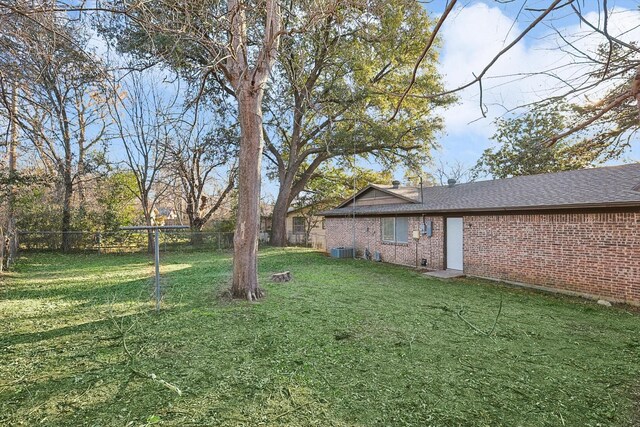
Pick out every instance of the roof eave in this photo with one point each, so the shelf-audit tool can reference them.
(575, 206)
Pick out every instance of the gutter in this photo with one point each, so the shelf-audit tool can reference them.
(332, 213)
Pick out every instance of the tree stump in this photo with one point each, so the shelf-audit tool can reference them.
(281, 277)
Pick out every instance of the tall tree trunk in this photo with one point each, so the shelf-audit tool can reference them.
(193, 220)
(291, 185)
(147, 219)
(81, 192)
(66, 213)
(7, 232)
(196, 232)
(279, 217)
(151, 247)
(66, 169)
(245, 239)
(13, 163)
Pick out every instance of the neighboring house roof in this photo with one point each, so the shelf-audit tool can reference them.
(596, 187)
(292, 209)
(299, 208)
(408, 194)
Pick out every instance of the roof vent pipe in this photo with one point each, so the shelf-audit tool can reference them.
(451, 182)
(395, 184)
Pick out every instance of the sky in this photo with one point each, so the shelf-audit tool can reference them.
(472, 35)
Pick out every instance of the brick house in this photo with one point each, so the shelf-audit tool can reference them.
(575, 232)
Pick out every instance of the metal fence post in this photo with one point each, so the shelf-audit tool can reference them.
(157, 260)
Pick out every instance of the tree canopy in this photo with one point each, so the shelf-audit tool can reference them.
(523, 147)
(332, 96)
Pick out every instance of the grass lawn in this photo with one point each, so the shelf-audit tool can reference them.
(347, 343)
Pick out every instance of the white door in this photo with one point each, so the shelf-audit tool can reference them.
(454, 243)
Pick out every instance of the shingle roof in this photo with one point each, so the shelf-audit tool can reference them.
(596, 187)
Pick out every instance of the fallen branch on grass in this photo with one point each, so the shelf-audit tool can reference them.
(292, 410)
(11, 383)
(155, 378)
(131, 358)
(475, 328)
(495, 322)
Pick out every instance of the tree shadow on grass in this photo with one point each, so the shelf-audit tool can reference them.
(92, 327)
(74, 292)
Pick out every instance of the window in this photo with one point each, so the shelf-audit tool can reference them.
(388, 229)
(298, 225)
(402, 230)
(395, 230)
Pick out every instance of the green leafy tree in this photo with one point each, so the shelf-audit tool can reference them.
(334, 90)
(118, 200)
(524, 148)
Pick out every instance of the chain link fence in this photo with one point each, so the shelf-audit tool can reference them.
(123, 241)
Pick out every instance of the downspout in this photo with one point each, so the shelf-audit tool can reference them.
(354, 199)
(354, 212)
(424, 223)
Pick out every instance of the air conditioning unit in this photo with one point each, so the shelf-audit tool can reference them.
(342, 252)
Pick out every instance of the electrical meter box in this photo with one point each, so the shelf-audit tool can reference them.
(426, 228)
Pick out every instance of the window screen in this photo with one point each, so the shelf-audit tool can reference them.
(388, 229)
(402, 230)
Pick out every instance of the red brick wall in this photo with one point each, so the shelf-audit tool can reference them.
(596, 254)
(368, 235)
(592, 254)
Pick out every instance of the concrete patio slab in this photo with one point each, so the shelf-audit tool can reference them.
(445, 274)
